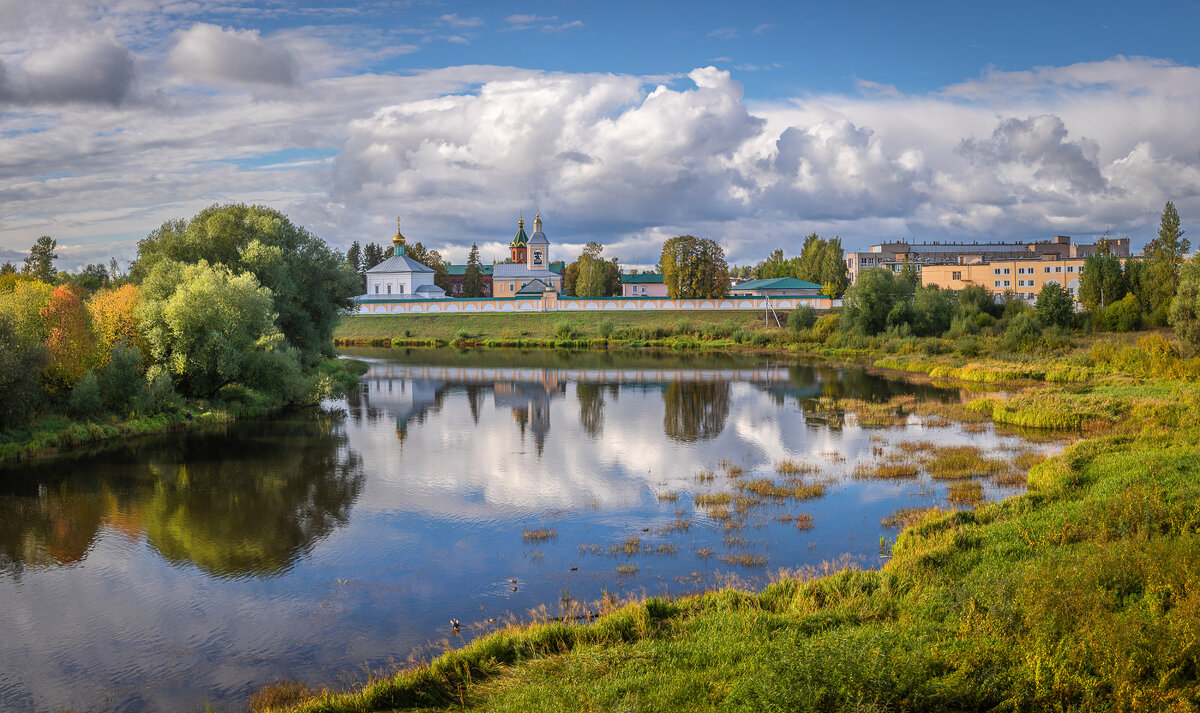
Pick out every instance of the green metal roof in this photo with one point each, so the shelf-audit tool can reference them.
(521, 239)
(777, 283)
(650, 278)
(462, 269)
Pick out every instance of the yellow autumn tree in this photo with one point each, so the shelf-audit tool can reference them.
(114, 320)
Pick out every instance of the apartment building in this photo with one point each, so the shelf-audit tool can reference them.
(1024, 277)
(895, 256)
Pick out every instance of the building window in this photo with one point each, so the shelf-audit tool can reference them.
(389, 288)
(401, 290)
(996, 271)
(956, 275)
(376, 289)
(1046, 269)
(1008, 283)
(996, 283)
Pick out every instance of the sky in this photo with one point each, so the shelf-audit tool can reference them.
(625, 123)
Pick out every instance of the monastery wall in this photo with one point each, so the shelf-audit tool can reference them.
(551, 302)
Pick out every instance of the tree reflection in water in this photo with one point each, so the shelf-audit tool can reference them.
(695, 411)
(591, 405)
(246, 501)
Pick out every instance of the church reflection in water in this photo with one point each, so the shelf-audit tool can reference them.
(696, 402)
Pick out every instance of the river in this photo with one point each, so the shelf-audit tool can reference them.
(183, 570)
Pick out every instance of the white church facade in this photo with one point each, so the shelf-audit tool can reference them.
(399, 277)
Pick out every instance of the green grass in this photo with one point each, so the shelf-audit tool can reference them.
(1082, 594)
(547, 326)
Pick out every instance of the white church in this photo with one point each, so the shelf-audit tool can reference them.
(400, 277)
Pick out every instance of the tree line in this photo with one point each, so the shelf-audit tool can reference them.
(1161, 288)
(238, 304)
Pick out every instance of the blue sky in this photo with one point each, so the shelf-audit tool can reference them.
(627, 123)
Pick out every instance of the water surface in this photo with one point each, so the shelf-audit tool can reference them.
(189, 569)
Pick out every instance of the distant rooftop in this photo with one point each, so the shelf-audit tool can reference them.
(647, 278)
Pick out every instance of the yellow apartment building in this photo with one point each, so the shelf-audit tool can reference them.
(1024, 277)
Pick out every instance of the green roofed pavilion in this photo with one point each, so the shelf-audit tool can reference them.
(777, 287)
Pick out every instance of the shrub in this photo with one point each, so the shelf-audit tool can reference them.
(605, 328)
(1185, 308)
(122, 387)
(1023, 333)
(85, 398)
(760, 339)
(825, 327)
(564, 330)
(163, 394)
(801, 318)
(968, 346)
(21, 361)
(1124, 315)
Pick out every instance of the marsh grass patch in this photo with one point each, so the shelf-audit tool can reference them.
(968, 493)
(541, 534)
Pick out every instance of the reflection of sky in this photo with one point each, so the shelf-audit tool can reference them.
(454, 470)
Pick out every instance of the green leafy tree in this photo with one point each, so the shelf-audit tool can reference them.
(7, 269)
(571, 279)
(878, 298)
(40, 263)
(202, 323)
(612, 278)
(22, 359)
(694, 267)
(808, 265)
(311, 285)
(910, 273)
(1164, 258)
(472, 277)
(23, 307)
(92, 278)
(1102, 282)
(1054, 306)
(1185, 309)
(591, 279)
(776, 265)
(821, 261)
(932, 311)
(834, 276)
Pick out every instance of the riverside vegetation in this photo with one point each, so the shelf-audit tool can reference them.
(1081, 594)
(229, 314)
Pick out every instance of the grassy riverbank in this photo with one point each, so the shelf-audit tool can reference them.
(54, 432)
(1082, 594)
(553, 329)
